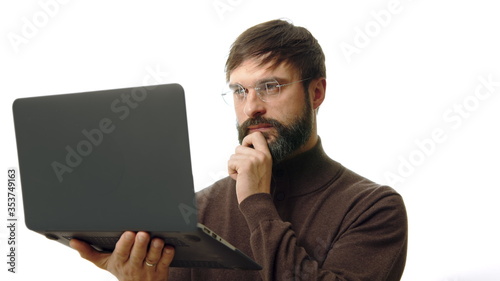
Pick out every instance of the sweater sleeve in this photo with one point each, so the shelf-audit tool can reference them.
(372, 246)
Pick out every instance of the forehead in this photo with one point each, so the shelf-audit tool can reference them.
(251, 71)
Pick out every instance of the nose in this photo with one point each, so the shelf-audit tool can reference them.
(254, 106)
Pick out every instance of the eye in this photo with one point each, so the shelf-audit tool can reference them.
(238, 91)
(272, 87)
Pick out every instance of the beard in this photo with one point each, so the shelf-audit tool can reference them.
(287, 138)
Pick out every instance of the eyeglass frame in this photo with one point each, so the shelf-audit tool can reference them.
(258, 91)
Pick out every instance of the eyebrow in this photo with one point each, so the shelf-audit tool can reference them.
(263, 80)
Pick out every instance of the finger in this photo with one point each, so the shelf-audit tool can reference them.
(154, 253)
(89, 253)
(139, 249)
(165, 260)
(239, 160)
(259, 153)
(248, 139)
(124, 246)
(257, 141)
(234, 162)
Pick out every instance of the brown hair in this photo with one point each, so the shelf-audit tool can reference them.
(279, 41)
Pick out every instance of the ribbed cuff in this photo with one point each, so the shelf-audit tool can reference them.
(258, 208)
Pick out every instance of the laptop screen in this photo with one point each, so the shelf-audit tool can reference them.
(106, 160)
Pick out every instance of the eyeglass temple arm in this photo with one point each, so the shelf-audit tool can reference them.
(283, 85)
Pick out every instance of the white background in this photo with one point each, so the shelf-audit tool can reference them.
(409, 74)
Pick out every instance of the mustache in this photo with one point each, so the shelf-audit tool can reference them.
(243, 128)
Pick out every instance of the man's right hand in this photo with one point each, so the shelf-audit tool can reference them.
(132, 259)
(251, 166)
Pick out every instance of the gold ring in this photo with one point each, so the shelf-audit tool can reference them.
(149, 264)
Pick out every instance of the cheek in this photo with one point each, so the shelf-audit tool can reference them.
(289, 113)
(240, 116)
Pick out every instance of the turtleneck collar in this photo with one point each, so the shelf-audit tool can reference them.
(303, 174)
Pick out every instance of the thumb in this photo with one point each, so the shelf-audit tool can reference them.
(89, 253)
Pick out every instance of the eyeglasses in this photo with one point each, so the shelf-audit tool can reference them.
(266, 91)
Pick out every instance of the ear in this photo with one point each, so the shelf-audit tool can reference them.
(317, 90)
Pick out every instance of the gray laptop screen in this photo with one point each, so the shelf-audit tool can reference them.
(102, 160)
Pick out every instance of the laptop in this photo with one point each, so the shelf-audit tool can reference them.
(95, 164)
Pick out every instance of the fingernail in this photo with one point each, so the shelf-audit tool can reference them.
(141, 237)
(129, 236)
(157, 243)
(169, 250)
(72, 243)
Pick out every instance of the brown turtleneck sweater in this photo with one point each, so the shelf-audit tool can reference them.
(320, 222)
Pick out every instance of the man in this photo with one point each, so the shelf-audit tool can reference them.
(286, 204)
